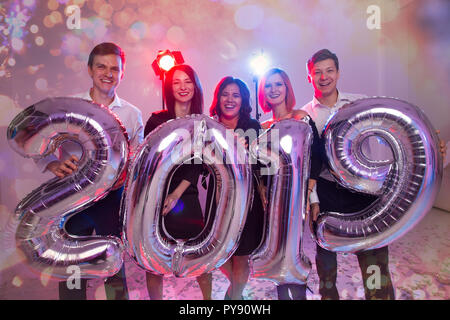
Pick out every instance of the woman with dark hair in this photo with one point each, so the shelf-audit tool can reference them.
(231, 105)
(276, 95)
(183, 218)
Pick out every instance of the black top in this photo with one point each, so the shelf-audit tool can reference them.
(248, 123)
(156, 119)
(188, 172)
(317, 150)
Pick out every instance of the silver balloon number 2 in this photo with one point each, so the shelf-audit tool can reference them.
(38, 131)
(388, 148)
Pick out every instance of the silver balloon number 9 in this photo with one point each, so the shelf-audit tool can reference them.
(285, 150)
(94, 130)
(384, 147)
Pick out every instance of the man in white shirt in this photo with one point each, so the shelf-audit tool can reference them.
(106, 68)
(323, 74)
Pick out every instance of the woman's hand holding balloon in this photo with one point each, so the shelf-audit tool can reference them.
(172, 198)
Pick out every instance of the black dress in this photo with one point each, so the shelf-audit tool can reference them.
(298, 291)
(253, 229)
(185, 220)
(318, 155)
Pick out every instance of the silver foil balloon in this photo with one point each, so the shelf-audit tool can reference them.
(195, 138)
(384, 147)
(40, 130)
(285, 149)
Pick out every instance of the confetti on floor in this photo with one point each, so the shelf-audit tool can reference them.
(419, 265)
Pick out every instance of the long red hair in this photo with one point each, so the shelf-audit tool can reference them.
(290, 97)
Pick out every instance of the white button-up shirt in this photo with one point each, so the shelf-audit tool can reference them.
(129, 115)
(320, 115)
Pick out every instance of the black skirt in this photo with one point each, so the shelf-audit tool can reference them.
(185, 220)
(251, 235)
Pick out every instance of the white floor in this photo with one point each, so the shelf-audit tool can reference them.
(419, 264)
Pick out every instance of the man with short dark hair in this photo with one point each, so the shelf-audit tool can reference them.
(323, 74)
(106, 69)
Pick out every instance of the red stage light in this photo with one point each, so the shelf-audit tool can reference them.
(165, 60)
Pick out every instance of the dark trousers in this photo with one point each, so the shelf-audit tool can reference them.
(104, 218)
(333, 197)
(291, 292)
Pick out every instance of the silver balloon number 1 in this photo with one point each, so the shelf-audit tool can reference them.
(285, 149)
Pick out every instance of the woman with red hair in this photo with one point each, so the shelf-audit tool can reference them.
(277, 96)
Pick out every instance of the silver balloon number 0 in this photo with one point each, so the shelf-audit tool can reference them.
(388, 148)
(192, 140)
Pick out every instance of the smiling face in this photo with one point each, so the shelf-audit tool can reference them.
(324, 76)
(106, 73)
(230, 101)
(182, 87)
(275, 90)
